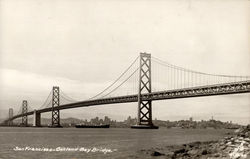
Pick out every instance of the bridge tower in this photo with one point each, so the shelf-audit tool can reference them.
(55, 103)
(24, 111)
(144, 118)
(10, 122)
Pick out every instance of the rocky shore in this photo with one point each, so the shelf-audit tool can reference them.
(236, 146)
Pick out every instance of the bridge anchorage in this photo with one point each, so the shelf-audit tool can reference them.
(10, 122)
(36, 119)
(144, 117)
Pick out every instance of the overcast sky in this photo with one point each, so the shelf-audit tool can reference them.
(84, 45)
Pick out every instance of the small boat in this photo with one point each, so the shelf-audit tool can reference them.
(91, 126)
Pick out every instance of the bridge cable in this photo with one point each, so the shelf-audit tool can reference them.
(184, 69)
(65, 96)
(116, 79)
(44, 104)
(121, 83)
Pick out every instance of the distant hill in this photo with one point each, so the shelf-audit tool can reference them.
(66, 121)
(47, 121)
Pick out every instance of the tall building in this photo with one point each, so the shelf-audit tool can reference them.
(10, 112)
(10, 115)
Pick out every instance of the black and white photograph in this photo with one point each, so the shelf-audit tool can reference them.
(124, 79)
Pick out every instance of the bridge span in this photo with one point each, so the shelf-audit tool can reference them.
(222, 89)
(144, 97)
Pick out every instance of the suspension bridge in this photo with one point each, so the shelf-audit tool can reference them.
(145, 80)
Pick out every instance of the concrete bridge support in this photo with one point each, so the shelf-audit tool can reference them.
(36, 119)
(144, 118)
(10, 122)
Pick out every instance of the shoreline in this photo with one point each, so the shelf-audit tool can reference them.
(236, 146)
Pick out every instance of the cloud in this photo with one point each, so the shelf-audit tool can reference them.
(18, 85)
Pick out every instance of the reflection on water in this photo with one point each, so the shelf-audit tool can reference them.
(123, 141)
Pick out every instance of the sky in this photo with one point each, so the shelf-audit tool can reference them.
(84, 45)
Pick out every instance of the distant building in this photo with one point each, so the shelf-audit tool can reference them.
(10, 112)
(11, 115)
(107, 120)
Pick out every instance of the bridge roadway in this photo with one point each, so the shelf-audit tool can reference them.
(210, 90)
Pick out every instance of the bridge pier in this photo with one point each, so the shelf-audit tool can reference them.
(10, 122)
(144, 118)
(55, 103)
(24, 111)
(36, 119)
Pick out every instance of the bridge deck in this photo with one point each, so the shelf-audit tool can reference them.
(210, 90)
